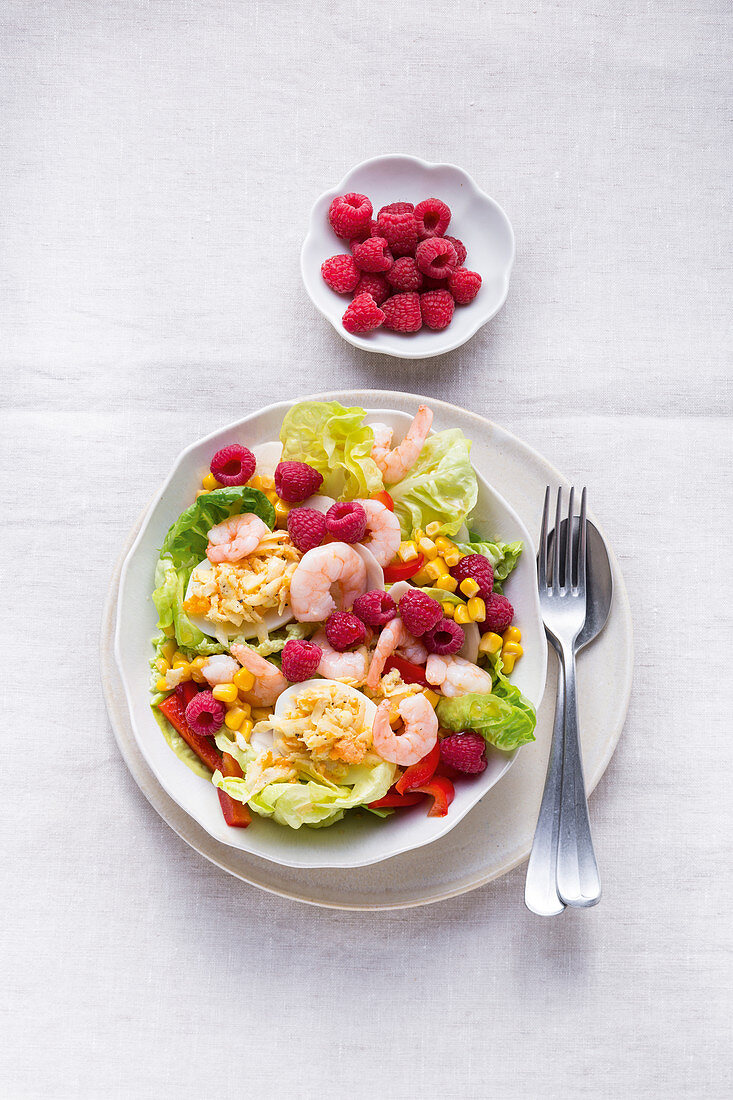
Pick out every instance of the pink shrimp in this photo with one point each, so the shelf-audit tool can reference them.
(335, 565)
(269, 680)
(383, 534)
(394, 636)
(236, 537)
(416, 739)
(348, 666)
(395, 464)
(456, 676)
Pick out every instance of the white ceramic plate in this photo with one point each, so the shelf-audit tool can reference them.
(360, 838)
(497, 834)
(476, 219)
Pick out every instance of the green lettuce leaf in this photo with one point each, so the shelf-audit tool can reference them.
(275, 642)
(505, 719)
(311, 802)
(185, 546)
(502, 555)
(442, 595)
(336, 442)
(441, 486)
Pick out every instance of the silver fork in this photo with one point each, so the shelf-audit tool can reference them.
(562, 867)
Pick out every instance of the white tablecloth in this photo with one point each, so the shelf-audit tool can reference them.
(158, 163)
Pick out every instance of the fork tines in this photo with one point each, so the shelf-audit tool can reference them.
(572, 578)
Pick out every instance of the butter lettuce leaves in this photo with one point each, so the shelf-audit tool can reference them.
(502, 555)
(184, 547)
(441, 486)
(336, 442)
(505, 718)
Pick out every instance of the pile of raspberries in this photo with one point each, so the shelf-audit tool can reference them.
(403, 272)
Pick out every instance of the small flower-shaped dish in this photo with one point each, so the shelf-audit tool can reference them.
(476, 219)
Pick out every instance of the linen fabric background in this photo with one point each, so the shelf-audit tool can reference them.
(159, 161)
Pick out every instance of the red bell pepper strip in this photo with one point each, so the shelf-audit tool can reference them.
(417, 775)
(175, 711)
(186, 692)
(384, 498)
(402, 570)
(393, 800)
(410, 673)
(443, 793)
(235, 813)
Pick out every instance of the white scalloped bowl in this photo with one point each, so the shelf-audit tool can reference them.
(360, 838)
(477, 220)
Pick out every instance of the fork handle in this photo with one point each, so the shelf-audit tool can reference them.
(540, 891)
(578, 881)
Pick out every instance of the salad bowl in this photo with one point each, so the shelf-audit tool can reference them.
(476, 218)
(359, 839)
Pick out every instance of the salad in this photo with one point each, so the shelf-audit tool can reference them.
(333, 635)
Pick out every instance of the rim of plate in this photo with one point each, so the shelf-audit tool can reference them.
(450, 821)
(400, 353)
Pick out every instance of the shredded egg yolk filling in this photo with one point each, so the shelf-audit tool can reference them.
(324, 729)
(240, 592)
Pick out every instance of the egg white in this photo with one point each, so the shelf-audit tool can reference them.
(223, 634)
(263, 740)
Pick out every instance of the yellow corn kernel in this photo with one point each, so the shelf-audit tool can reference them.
(432, 529)
(161, 685)
(418, 534)
(448, 609)
(426, 547)
(513, 649)
(246, 708)
(422, 579)
(281, 511)
(469, 587)
(169, 631)
(407, 551)
(476, 609)
(490, 643)
(452, 557)
(272, 497)
(246, 728)
(162, 665)
(185, 670)
(261, 714)
(234, 718)
(225, 693)
(178, 659)
(447, 583)
(508, 662)
(461, 614)
(210, 482)
(443, 544)
(197, 666)
(244, 680)
(512, 634)
(200, 492)
(432, 697)
(264, 484)
(436, 569)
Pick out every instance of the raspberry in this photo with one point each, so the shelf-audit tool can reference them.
(375, 608)
(432, 217)
(402, 313)
(477, 568)
(404, 275)
(400, 232)
(436, 257)
(460, 249)
(340, 273)
(434, 284)
(347, 522)
(397, 208)
(499, 614)
(300, 660)
(233, 465)
(376, 285)
(344, 629)
(437, 308)
(369, 230)
(295, 481)
(446, 637)
(350, 215)
(306, 527)
(363, 315)
(464, 285)
(419, 612)
(205, 714)
(464, 751)
(373, 255)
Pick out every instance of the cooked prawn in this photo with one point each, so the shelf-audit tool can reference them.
(395, 463)
(382, 442)
(456, 676)
(394, 636)
(220, 669)
(383, 535)
(236, 537)
(350, 667)
(416, 739)
(335, 565)
(269, 680)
